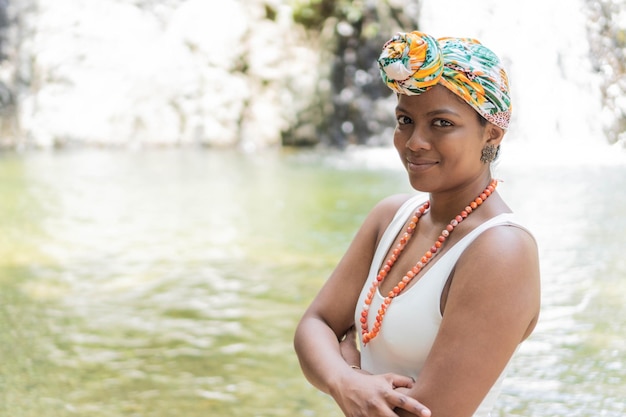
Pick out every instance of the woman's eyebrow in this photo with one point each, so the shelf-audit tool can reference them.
(436, 112)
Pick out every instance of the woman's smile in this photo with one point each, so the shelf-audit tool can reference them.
(419, 164)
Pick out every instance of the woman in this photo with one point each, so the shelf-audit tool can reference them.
(441, 292)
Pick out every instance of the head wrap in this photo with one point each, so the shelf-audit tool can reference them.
(411, 63)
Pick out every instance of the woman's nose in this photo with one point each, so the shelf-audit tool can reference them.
(418, 140)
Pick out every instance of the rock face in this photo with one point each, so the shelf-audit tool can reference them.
(157, 72)
(174, 72)
(607, 37)
(355, 106)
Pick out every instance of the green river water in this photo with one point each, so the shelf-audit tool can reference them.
(168, 282)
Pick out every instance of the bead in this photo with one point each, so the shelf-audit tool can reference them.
(368, 335)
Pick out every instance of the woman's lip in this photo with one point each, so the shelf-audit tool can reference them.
(420, 165)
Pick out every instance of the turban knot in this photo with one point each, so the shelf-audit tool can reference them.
(410, 63)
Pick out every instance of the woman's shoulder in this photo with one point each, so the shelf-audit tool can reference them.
(395, 207)
(504, 234)
(505, 251)
(397, 203)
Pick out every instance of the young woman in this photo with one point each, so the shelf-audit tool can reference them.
(441, 292)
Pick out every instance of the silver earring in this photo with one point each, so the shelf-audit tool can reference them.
(488, 154)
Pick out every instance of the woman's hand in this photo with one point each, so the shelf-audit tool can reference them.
(360, 394)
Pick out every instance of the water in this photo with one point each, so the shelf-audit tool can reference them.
(169, 282)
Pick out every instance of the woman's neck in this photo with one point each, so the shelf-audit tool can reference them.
(448, 204)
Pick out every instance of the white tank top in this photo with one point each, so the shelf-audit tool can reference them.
(413, 318)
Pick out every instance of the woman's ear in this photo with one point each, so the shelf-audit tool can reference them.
(494, 134)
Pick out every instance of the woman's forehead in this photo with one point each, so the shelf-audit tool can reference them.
(435, 98)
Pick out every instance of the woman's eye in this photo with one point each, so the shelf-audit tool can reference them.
(403, 120)
(442, 123)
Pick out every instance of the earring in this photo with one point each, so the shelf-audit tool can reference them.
(488, 154)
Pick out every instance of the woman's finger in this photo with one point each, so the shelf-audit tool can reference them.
(400, 381)
(410, 404)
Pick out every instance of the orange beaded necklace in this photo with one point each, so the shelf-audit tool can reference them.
(368, 335)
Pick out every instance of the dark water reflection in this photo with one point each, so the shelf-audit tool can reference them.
(164, 283)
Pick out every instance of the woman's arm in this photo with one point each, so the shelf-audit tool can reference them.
(492, 305)
(331, 315)
(349, 350)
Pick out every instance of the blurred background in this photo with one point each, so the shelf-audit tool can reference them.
(179, 177)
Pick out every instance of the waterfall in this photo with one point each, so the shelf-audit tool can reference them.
(557, 111)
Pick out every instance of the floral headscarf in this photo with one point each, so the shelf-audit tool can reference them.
(411, 63)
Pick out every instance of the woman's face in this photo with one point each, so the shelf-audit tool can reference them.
(439, 139)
